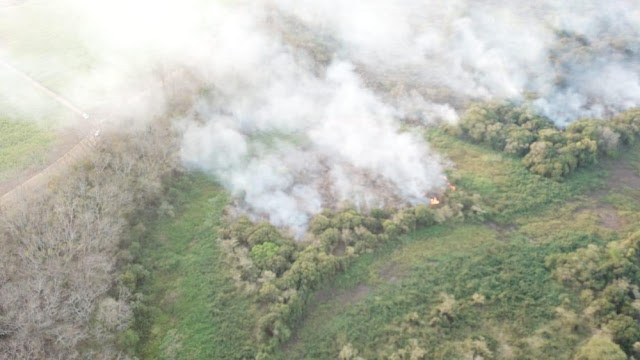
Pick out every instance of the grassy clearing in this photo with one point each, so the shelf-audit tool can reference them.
(509, 188)
(193, 310)
(508, 270)
(502, 261)
(22, 145)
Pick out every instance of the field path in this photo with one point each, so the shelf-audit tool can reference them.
(82, 147)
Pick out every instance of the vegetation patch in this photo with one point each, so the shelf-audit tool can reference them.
(191, 308)
(545, 149)
(467, 290)
(464, 290)
(285, 273)
(22, 145)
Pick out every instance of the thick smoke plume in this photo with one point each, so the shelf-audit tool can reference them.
(297, 105)
(574, 59)
(288, 138)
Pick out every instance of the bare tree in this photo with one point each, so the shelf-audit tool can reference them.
(59, 250)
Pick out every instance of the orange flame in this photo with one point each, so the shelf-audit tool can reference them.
(451, 187)
(434, 201)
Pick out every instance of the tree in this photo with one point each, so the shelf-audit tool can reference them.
(625, 331)
(518, 141)
(627, 125)
(547, 160)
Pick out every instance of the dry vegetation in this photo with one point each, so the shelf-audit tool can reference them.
(59, 293)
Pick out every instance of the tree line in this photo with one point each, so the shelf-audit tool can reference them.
(544, 148)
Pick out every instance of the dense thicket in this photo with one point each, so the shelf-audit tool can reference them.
(607, 278)
(285, 272)
(545, 149)
(60, 294)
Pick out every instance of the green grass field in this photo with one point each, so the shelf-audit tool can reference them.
(457, 261)
(22, 145)
(193, 310)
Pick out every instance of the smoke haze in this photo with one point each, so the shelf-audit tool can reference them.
(298, 105)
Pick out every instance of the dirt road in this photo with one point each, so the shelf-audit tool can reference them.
(82, 147)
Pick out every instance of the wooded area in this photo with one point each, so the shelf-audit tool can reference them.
(545, 149)
(64, 291)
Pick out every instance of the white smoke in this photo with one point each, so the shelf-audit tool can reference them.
(297, 105)
(489, 49)
(288, 142)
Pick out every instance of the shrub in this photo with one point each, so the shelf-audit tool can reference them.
(606, 274)
(263, 254)
(600, 348)
(625, 331)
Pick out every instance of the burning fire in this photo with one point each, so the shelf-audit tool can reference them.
(451, 187)
(434, 200)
